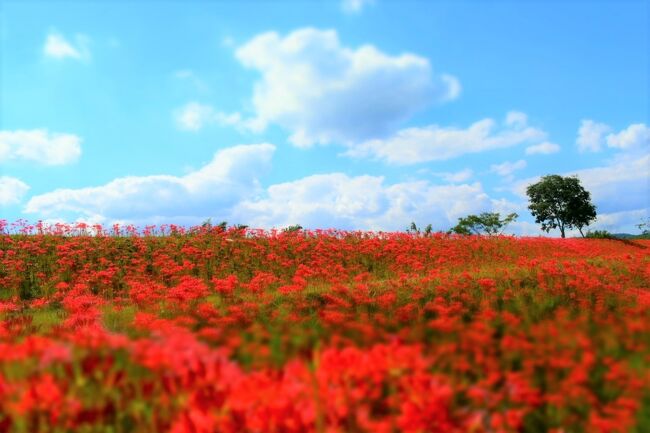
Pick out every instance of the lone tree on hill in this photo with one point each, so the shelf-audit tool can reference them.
(489, 223)
(560, 202)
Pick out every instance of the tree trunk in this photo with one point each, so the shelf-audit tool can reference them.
(562, 231)
(580, 230)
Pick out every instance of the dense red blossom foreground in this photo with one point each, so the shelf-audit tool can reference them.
(243, 331)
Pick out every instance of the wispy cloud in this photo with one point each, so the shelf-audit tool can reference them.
(355, 6)
(545, 148)
(194, 116)
(457, 176)
(58, 47)
(507, 168)
(190, 77)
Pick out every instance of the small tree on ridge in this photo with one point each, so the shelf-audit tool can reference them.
(489, 223)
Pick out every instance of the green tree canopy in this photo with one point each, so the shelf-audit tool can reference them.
(489, 223)
(560, 202)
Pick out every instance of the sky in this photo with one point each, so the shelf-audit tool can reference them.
(354, 114)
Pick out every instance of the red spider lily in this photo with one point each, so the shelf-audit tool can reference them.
(203, 329)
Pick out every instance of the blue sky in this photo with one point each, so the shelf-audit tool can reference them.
(354, 114)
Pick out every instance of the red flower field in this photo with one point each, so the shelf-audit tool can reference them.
(210, 330)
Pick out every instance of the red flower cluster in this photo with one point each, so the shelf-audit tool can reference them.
(208, 330)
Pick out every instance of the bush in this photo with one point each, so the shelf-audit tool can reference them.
(599, 234)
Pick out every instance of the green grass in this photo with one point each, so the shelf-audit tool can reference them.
(119, 319)
(44, 319)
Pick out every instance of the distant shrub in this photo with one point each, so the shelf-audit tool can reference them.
(414, 229)
(599, 234)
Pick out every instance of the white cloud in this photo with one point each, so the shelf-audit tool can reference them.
(624, 221)
(58, 47)
(635, 136)
(430, 143)
(12, 190)
(193, 116)
(228, 188)
(508, 168)
(323, 92)
(591, 135)
(458, 176)
(622, 185)
(545, 148)
(354, 6)
(505, 206)
(40, 146)
(212, 190)
(362, 202)
(516, 118)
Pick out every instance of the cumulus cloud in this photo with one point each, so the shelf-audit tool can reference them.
(635, 136)
(362, 202)
(228, 188)
(210, 191)
(593, 136)
(58, 47)
(433, 142)
(545, 148)
(12, 190)
(324, 92)
(39, 145)
(354, 6)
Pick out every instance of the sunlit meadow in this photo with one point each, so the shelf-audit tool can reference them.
(211, 330)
